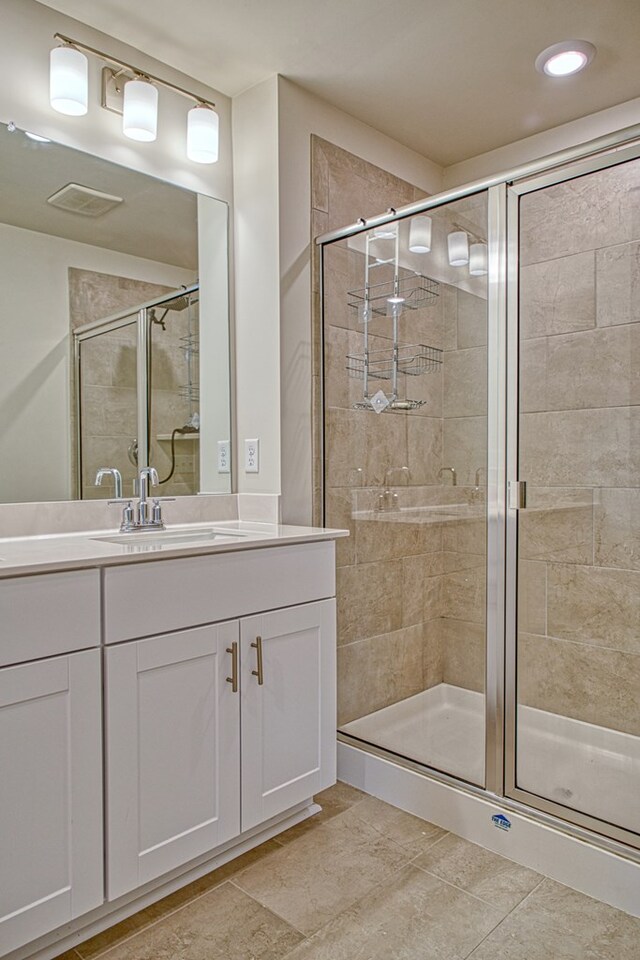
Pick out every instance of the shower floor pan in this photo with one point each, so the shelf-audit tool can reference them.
(581, 765)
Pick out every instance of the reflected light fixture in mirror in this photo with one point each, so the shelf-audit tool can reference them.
(458, 247)
(478, 259)
(140, 111)
(69, 81)
(139, 102)
(420, 235)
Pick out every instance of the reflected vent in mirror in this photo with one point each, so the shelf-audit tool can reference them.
(84, 200)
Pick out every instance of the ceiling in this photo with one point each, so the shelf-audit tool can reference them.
(449, 78)
(156, 221)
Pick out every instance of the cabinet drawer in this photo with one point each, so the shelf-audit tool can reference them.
(157, 597)
(47, 615)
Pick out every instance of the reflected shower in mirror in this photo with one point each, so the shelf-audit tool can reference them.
(132, 273)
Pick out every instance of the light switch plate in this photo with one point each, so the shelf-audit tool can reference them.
(224, 456)
(252, 456)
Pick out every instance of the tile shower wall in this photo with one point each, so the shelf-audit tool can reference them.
(410, 588)
(579, 623)
(109, 384)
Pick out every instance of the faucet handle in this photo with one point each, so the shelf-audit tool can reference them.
(127, 513)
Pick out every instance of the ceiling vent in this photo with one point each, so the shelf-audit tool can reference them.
(84, 200)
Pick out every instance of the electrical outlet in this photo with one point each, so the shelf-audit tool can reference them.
(252, 456)
(224, 456)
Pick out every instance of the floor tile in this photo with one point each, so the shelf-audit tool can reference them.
(411, 833)
(109, 938)
(224, 924)
(557, 923)
(69, 955)
(487, 875)
(412, 916)
(311, 880)
(333, 801)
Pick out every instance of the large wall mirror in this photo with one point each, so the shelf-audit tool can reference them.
(114, 327)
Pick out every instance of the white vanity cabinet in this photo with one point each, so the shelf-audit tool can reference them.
(198, 749)
(51, 836)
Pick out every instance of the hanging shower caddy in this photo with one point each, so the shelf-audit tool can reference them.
(389, 297)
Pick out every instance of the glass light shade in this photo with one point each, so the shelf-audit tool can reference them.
(420, 235)
(140, 114)
(202, 134)
(478, 259)
(458, 245)
(69, 81)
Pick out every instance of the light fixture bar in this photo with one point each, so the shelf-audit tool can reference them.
(136, 70)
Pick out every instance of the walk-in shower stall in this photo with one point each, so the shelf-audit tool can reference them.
(137, 395)
(481, 441)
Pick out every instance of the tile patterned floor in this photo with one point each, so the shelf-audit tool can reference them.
(364, 881)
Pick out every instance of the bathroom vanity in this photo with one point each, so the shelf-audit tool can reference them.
(188, 682)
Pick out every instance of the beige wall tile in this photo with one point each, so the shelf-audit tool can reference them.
(421, 588)
(339, 516)
(557, 296)
(468, 536)
(464, 594)
(471, 321)
(581, 447)
(617, 528)
(345, 447)
(369, 600)
(465, 383)
(424, 442)
(463, 654)
(557, 525)
(388, 538)
(532, 596)
(596, 368)
(432, 653)
(378, 671)
(618, 284)
(465, 447)
(580, 681)
(594, 605)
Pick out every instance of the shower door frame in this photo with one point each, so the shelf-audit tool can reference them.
(612, 835)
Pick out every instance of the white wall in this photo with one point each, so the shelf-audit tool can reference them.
(27, 38)
(35, 354)
(543, 144)
(273, 243)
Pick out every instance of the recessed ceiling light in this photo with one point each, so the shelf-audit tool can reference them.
(36, 137)
(563, 59)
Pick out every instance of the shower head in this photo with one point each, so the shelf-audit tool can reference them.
(180, 303)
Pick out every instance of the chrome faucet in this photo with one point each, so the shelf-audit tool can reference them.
(454, 476)
(117, 479)
(388, 500)
(142, 518)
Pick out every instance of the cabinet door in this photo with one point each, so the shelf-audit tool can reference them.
(51, 861)
(173, 748)
(288, 720)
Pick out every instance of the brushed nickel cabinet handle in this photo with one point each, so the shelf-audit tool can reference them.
(259, 673)
(233, 679)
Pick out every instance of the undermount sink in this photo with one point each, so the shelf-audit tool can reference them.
(171, 537)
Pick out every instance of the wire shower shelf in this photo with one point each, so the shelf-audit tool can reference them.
(413, 289)
(412, 359)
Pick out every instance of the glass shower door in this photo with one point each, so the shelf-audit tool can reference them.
(575, 722)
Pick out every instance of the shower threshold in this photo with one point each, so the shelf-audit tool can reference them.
(443, 728)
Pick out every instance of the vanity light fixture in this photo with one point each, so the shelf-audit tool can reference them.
(131, 92)
(565, 58)
(420, 235)
(458, 248)
(140, 110)
(478, 259)
(69, 80)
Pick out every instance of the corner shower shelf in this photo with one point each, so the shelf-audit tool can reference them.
(178, 436)
(413, 359)
(413, 289)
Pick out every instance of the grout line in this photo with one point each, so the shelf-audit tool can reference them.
(469, 956)
(450, 883)
(270, 910)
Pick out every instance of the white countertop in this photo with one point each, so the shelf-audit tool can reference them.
(55, 552)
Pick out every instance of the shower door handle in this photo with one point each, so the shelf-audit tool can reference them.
(517, 494)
